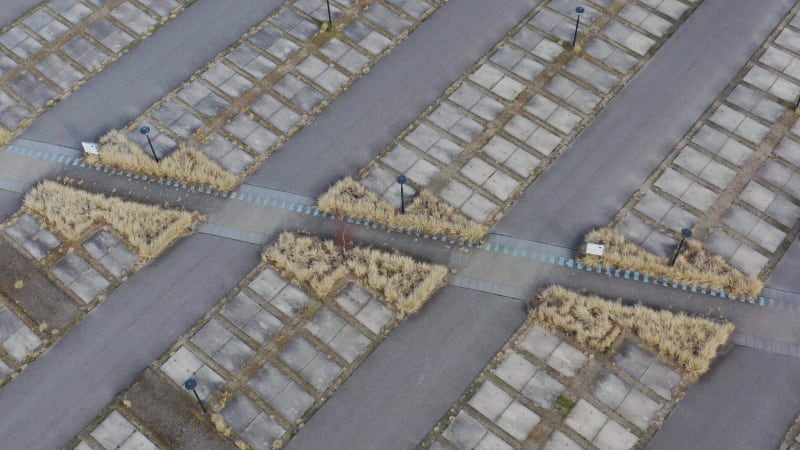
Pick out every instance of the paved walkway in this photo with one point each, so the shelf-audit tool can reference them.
(643, 123)
(150, 70)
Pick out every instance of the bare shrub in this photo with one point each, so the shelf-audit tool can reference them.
(186, 164)
(70, 212)
(693, 266)
(692, 342)
(400, 281)
(426, 213)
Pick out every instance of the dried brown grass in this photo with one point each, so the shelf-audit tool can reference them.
(185, 164)
(5, 136)
(426, 213)
(692, 342)
(70, 212)
(400, 281)
(693, 266)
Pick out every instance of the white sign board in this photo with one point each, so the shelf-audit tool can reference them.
(90, 148)
(595, 249)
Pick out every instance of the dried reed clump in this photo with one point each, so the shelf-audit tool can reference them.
(402, 282)
(5, 136)
(692, 342)
(311, 261)
(693, 265)
(185, 164)
(70, 212)
(426, 213)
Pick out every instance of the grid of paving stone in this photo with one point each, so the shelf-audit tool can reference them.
(259, 92)
(115, 431)
(86, 269)
(542, 392)
(269, 355)
(735, 179)
(18, 342)
(59, 44)
(494, 130)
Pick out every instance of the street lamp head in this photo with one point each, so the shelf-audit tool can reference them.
(580, 10)
(190, 384)
(144, 129)
(686, 232)
(402, 179)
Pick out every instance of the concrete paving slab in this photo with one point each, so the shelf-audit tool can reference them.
(20, 344)
(585, 419)
(610, 389)
(518, 421)
(560, 441)
(490, 400)
(262, 432)
(113, 430)
(661, 379)
(567, 360)
(614, 436)
(515, 370)
(633, 359)
(281, 392)
(89, 285)
(748, 260)
(638, 408)
(540, 342)
(542, 389)
(239, 412)
(465, 432)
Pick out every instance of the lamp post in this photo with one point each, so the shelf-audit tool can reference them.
(402, 180)
(190, 385)
(145, 130)
(580, 11)
(685, 233)
(330, 17)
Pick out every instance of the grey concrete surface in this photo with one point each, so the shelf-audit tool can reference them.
(415, 375)
(10, 202)
(643, 123)
(366, 118)
(11, 10)
(67, 386)
(151, 69)
(748, 400)
(784, 275)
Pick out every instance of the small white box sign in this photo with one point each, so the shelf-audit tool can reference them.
(90, 148)
(595, 249)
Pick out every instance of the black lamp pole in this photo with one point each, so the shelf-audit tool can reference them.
(580, 11)
(402, 180)
(330, 17)
(190, 385)
(145, 130)
(685, 233)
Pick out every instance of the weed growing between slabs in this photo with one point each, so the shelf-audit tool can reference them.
(693, 265)
(426, 213)
(692, 342)
(186, 163)
(70, 212)
(402, 282)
